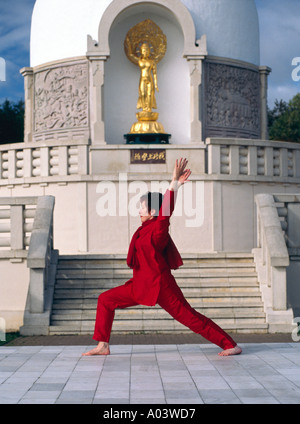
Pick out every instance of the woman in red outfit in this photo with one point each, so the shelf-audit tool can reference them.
(152, 254)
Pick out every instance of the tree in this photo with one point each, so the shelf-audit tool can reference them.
(284, 120)
(11, 122)
(279, 108)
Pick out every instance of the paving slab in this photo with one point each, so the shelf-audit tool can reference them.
(161, 374)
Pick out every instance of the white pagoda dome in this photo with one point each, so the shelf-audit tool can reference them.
(60, 27)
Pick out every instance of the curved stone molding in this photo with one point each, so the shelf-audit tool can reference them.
(175, 7)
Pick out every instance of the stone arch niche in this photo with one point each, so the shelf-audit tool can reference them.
(114, 80)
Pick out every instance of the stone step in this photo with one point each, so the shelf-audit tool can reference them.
(188, 263)
(213, 256)
(65, 265)
(138, 313)
(182, 281)
(221, 302)
(124, 275)
(119, 261)
(101, 285)
(223, 287)
(188, 293)
(205, 308)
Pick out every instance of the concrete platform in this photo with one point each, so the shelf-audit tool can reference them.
(160, 374)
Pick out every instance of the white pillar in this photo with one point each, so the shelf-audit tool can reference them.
(264, 71)
(196, 66)
(96, 98)
(29, 106)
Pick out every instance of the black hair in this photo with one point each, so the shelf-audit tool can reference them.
(153, 201)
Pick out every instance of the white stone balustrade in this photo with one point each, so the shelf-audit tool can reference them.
(16, 221)
(41, 260)
(21, 161)
(272, 260)
(288, 207)
(233, 159)
(26, 241)
(253, 158)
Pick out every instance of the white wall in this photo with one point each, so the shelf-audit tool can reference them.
(231, 27)
(13, 293)
(60, 27)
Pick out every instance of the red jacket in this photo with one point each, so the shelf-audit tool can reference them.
(152, 254)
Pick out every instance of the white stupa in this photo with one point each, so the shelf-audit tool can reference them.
(201, 35)
(81, 95)
(60, 27)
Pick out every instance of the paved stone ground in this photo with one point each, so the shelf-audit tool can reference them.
(158, 373)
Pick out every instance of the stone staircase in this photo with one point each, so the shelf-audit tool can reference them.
(223, 287)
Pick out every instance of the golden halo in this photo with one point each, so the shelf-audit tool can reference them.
(146, 32)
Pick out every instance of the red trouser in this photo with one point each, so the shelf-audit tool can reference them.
(171, 299)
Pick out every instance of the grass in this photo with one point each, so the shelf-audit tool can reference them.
(8, 338)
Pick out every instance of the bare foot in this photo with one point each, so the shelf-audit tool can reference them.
(101, 349)
(229, 352)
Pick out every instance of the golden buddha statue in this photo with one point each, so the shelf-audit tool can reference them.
(145, 45)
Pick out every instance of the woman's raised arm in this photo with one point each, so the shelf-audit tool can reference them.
(180, 174)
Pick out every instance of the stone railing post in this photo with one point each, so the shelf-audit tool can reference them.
(97, 61)
(83, 160)
(38, 253)
(29, 106)
(214, 159)
(264, 71)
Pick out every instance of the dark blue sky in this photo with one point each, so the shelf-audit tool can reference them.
(279, 38)
(15, 20)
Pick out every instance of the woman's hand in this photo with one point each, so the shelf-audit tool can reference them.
(180, 174)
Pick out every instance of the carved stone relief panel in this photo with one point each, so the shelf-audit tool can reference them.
(61, 98)
(232, 101)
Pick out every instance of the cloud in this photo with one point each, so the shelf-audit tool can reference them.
(15, 17)
(16, 12)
